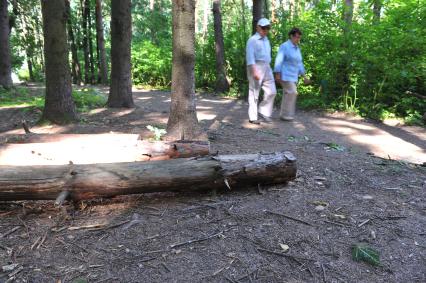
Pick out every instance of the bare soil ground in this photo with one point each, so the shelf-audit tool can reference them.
(344, 194)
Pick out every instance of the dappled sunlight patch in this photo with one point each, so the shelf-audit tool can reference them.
(123, 112)
(96, 111)
(376, 140)
(144, 97)
(206, 116)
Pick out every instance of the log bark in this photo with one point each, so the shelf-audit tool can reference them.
(107, 180)
(65, 149)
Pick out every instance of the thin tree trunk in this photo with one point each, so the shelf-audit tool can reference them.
(30, 68)
(183, 122)
(103, 68)
(344, 70)
(120, 94)
(75, 68)
(205, 18)
(5, 54)
(59, 106)
(257, 13)
(86, 51)
(92, 57)
(377, 9)
(222, 84)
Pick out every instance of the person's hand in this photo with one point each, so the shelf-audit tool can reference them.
(307, 81)
(278, 77)
(256, 74)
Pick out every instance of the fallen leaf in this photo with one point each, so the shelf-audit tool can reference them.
(284, 247)
(366, 254)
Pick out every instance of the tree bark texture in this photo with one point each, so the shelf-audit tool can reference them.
(75, 65)
(120, 94)
(100, 39)
(107, 180)
(257, 13)
(183, 122)
(5, 54)
(59, 106)
(222, 84)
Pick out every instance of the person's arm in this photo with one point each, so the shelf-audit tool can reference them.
(302, 72)
(279, 63)
(251, 59)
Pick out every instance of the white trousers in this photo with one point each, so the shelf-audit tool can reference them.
(288, 103)
(267, 83)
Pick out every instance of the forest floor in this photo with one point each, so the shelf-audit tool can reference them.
(358, 182)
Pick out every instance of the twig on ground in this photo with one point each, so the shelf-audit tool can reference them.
(295, 258)
(324, 275)
(196, 240)
(42, 240)
(10, 232)
(289, 217)
(337, 223)
(35, 243)
(364, 222)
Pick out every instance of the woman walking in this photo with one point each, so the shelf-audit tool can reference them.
(288, 68)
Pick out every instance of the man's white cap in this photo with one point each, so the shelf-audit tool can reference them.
(263, 22)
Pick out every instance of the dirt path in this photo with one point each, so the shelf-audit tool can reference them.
(345, 195)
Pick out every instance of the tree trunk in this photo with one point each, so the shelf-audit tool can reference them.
(273, 8)
(183, 122)
(75, 68)
(5, 54)
(377, 9)
(103, 68)
(120, 93)
(59, 106)
(85, 43)
(106, 180)
(222, 84)
(257, 13)
(62, 149)
(92, 57)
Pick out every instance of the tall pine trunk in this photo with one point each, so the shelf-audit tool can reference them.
(120, 93)
(5, 55)
(183, 122)
(75, 64)
(257, 13)
(100, 40)
(85, 15)
(59, 106)
(92, 57)
(222, 84)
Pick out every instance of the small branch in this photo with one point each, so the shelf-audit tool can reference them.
(10, 232)
(26, 128)
(289, 217)
(196, 240)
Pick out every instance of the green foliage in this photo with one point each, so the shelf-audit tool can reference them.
(88, 98)
(84, 99)
(151, 63)
(158, 132)
(367, 254)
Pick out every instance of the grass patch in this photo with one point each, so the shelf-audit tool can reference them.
(85, 99)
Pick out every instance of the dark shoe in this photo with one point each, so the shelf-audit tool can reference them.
(256, 122)
(266, 118)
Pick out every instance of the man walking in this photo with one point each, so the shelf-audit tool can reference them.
(259, 72)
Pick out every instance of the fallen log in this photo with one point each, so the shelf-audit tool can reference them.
(106, 180)
(61, 149)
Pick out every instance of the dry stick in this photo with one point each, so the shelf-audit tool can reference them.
(289, 217)
(323, 273)
(196, 240)
(364, 222)
(295, 258)
(337, 223)
(62, 197)
(10, 232)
